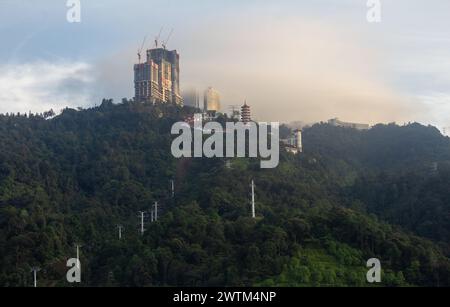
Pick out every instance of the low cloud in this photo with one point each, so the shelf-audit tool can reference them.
(40, 86)
(296, 69)
(287, 69)
(437, 105)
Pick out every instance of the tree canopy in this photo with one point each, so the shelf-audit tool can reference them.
(353, 195)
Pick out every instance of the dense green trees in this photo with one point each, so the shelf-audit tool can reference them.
(75, 177)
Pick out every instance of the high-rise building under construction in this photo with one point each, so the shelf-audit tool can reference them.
(158, 78)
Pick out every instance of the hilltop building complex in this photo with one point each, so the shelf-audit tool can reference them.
(294, 143)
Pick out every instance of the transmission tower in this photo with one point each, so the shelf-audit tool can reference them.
(35, 270)
(142, 221)
(156, 211)
(78, 254)
(253, 200)
(120, 228)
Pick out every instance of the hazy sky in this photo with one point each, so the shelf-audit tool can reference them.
(291, 60)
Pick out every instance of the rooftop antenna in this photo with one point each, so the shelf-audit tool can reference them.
(140, 49)
(253, 199)
(120, 227)
(35, 270)
(164, 44)
(157, 38)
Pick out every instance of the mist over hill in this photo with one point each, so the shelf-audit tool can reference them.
(352, 195)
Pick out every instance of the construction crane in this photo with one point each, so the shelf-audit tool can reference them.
(157, 38)
(164, 44)
(140, 49)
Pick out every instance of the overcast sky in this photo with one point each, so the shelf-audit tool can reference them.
(291, 60)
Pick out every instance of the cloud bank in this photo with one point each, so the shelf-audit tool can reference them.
(294, 69)
(40, 86)
(287, 67)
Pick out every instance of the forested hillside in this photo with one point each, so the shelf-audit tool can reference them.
(353, 195)
(400, 173)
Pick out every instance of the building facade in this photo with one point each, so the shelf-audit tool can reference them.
(294, 143)
(235, 112)
(158, 78)
(191, 98)
(211, 100)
